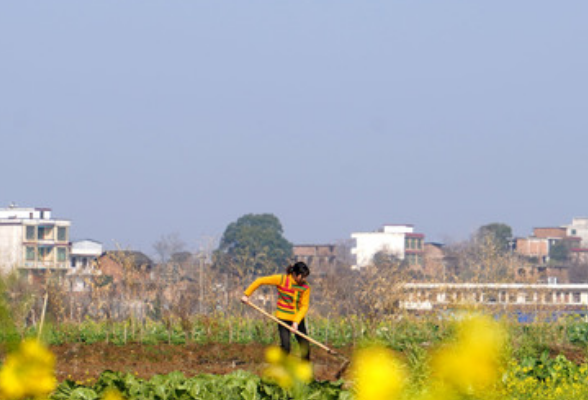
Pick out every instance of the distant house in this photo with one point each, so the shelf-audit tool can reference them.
(122, 265)
(397, 240)
(84, 254)
(32, 240)
(539, 245)
(320, 258)
(435, 264)
(579, 228)
(83, 259)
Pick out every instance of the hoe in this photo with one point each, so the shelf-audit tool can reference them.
(345, 360)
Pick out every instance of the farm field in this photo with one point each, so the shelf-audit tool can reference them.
(473, 357)
(80, 361)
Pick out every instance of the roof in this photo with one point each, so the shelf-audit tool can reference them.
(137, 257)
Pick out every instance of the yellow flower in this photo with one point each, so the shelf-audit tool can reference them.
(286, 370)
(112, 394)
(28, 372)
(303, 371)
(377, 374)
(473, 361)
(274, 355)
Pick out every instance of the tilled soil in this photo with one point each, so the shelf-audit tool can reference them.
(85, 362)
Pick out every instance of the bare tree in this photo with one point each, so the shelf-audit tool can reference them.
(168, 245)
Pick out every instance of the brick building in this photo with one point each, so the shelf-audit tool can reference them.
(320, 258)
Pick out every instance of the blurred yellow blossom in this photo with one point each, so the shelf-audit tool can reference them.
(112, 394)
(377, 374)
(28, 372)
(473, 361)
(286, 370)
(274, 355)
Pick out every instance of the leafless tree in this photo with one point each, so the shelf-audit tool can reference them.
(168, 245)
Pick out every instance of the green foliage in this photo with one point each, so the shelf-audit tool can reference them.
(497, 232)
(175, 386)
(558, 251)
(544, 367)
(255, 245)
(577, 333)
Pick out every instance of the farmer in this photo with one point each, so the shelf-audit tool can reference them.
(293, 299)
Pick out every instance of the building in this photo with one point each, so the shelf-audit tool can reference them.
(84, 253)
(527, 301)
(126, 265)
(435, 265)
(399, 241)
(320, 258)
(539, 245)
(578, 228)
(83, 259)
(31, 239)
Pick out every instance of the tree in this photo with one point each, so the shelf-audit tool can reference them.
(497, 232)
(558, 251)
(253, 245)
(168, 245)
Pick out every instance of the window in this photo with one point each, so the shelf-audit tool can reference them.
(45, 232)
(61, 253)
(30, 253)
(62, 233)
(45, 253)
(30, 233)
(576, 297)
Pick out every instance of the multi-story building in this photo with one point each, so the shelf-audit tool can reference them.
(540, 243)
(579, 228)
(399, 241)
(30, 238)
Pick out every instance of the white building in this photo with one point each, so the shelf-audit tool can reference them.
(84, 253)
(31, 239)
(83, 257)
(579, 228)
(397, 240)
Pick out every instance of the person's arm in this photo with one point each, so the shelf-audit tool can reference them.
(304, 303)
(265, 280)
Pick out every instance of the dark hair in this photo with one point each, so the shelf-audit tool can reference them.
(298, 268)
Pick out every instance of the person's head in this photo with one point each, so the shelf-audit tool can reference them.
(299, 272)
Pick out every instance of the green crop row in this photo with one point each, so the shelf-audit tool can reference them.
(401, 335)
(534, 379)
(175, 386)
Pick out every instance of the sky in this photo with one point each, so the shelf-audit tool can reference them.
(138, 119)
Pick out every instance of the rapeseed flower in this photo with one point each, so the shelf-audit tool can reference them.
(473, 361)
(28, 372)
(377, 374)
(112, 394)
(286, 370)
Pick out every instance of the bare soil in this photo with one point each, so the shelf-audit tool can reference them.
(83, 362)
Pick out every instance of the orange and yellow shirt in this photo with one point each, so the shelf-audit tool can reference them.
(293, 300)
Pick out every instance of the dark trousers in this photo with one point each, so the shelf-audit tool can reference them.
(285, 339)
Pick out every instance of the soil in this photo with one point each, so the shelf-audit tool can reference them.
(83, 362)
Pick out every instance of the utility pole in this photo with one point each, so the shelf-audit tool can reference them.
(201, 262)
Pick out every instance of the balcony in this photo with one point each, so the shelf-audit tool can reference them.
(45, 265)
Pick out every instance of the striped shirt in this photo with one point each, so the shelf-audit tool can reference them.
(293, 300)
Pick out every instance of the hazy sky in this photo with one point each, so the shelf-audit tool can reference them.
(140, 118)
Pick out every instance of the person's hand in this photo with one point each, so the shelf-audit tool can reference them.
(245, 299)
(294, 326)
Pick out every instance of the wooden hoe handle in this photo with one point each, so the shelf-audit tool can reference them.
(297, 332)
